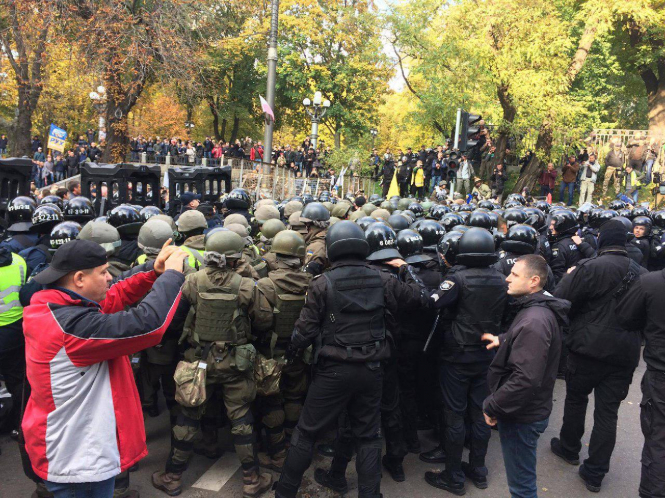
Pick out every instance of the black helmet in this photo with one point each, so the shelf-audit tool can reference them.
(479, 219)
(594, 218)
(643, 221)
(126, 219)
(307, 198)
(365, 222)
(64, 232)
(489, 205)
(417, 209)
(397, 222)
(410, 245)
(536, 218)
(79, 209)
(565, 222)
(451, 220)
(346, 238)
(238, 198)
(53, 199)
(521, 239)
(543, 206)
(438, 211)
(494, 218)
(45, 218)
(640, 211)
(514, 216)
(148, 212)
(606, 215)
(448, 247)
(19, 214)
(314, 211)
(431, 232)
(465, 216)
(517, 198)
(628, 225)
(467, 208)
(476, 248)
(659, 218)
(499, 237)
(616, 205)
(626, 213)
(382, 242)
(512, 205)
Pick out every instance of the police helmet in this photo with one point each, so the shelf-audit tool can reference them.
(535, 217)
(382, 242)
(517, 198)
(397, 222)
(565, 222)
(476, 248)
(19, 213)
(514, 216)
(659, 218)
(486, 205)
(448, 247)
(431, 231)
(640, 211)
(79, 209)
(521, 239)
(346, 238)
(289, 243)
(438, 211)
(62, 233)
(53, 199)
(238, 198)
(417, 209)
(307, 198)
(410, 246)
(45, 218)
(543, 206)
(126, 219)
(451, 220)
(617, 204)
(479, 219)
(365, 222)
(314, 211)
(643, 221)
(148, 212)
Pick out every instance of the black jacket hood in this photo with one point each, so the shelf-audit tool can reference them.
(560, 307)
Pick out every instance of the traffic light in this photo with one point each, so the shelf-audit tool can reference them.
(467, 132)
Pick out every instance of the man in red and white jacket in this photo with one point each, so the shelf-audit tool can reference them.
(83, 423)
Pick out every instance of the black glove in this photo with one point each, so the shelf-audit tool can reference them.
(291, 353)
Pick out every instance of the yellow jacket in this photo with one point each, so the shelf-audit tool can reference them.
(418, 177)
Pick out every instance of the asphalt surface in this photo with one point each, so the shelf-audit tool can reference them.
(206, 478)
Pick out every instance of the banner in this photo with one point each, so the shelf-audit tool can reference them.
(56, 138)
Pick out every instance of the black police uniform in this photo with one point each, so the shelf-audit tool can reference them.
(544, 246)
(344, 309)
(602, 354)
(657, 252)
(387, 173)
(477, 297)
(566, 254)
(644, 245)
(641, 309)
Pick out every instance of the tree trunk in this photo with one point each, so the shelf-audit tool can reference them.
(215, 118)
(338, 139)
(223, 134)
(234, 130)
(535, 166)
(117, 140)
(509, 113)
(656, 103)
(22, 133)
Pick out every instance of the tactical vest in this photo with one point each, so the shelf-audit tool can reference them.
(355, 310)
(480, 305)
(12, 278)
(287, 310)
(141, 259)
(218, 316)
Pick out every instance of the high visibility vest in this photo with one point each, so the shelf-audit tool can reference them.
(141, 259)
(12, 278)
(195, 258)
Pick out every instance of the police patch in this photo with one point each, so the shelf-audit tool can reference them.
(502, 254)
(446, 285)
(555, 252)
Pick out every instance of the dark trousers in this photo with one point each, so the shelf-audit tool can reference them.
(386, 188)
(464, 385)
(336, 386)
(519, 443)
(610, 385)
(404, 189)
(12, 368)
(652, 418)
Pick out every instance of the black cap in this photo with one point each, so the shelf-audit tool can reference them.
(188, 197)
(72, 256)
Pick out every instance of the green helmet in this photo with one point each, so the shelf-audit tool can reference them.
(341, 210)
(356, 215)
(236, 218)
(329, 205)
(403, 204)
(154, 234)
(295, 223)
(369, 208)
(237, 228)
(292, 207)
(104, 234)
(226, 242)
(191, 220)
(167, 219)
(271, 228)
(387, 206)
(334, 220)
(289, 243)
(381, 214)
(427, 205)
(265, 213)
(264, 202)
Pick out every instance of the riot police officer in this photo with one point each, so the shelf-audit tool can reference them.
(642, 231)
(316, 218)
(476, 294)
(221, 305)
(344, 317)
(280, 402)
(19, 216)
(44, 219)
(567, 247)
(237, 202)
(80, 210)
(128, 222)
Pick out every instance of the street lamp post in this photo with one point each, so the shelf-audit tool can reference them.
(99, 104)
(316, 109)
(374, 132)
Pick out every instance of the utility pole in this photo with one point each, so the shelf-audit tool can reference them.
(270, 92)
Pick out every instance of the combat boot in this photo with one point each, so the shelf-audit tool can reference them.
(273, 462)
(169, 482)
(255, 484)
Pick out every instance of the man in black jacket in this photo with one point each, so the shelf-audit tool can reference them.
(522, 375)
(387, 173)
(642, 308)
(602, 354)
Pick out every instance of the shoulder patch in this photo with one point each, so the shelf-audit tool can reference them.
(502, 254)
(446, 285)
(555, 251)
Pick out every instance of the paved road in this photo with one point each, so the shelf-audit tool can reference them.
(556, 479)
